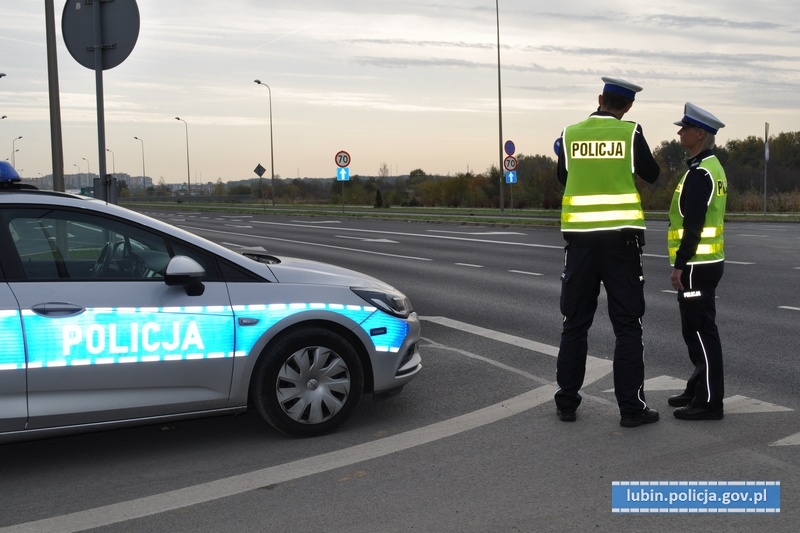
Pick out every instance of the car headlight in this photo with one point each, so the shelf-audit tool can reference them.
(393, 302)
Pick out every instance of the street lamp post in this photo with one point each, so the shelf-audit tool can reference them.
(188, 174)
(143, 174)
(500, 110)
(271, 157)
(14, 150)
(79, 171)
(113, 162)
(88, 171)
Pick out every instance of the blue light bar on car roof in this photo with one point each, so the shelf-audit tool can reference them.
(7, 172)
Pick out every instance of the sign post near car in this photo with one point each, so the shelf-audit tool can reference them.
(510, 164)
(343, 173)
(259, 170)
(85, 25)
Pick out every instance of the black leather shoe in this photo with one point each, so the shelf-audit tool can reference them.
(566, 415)
(647, 416)
(699, 412)
(681, 400)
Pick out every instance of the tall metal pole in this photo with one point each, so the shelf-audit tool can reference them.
(113, 162)
(188, 174)
(14, 151)
(499, 110)
(271, 153)
(88, 170)
(143, 174)
(56, 148)
(101, 114)
(766, 161)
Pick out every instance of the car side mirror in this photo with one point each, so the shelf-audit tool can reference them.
(186, 272)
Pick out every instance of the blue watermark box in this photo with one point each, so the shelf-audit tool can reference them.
(696, 497)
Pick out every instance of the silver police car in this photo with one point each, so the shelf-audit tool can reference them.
(111, 318)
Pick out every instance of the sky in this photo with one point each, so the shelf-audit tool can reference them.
(407, 84)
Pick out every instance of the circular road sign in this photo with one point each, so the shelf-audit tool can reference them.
(510, 163)
(119, 23)
(342, 159)
(510, 148)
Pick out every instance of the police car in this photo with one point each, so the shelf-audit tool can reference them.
(111, 318)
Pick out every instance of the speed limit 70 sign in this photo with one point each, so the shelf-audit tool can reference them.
(342, 159)
(510, 163)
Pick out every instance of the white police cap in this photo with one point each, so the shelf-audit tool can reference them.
(625, 88)
(695, 117)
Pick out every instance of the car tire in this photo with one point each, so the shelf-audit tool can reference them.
(308, 382)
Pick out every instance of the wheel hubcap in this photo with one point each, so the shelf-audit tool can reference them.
(313, 385)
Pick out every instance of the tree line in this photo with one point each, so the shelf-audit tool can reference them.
(538, 187)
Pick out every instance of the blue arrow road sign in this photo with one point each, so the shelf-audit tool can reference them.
(343, 174)
(511, 176)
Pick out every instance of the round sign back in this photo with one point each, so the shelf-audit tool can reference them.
(119, 30)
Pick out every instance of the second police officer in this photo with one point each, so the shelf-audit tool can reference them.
(697, 255)
(603, 224)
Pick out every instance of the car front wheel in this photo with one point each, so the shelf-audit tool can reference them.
(308, 382)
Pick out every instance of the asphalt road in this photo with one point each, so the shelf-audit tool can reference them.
(473, 443)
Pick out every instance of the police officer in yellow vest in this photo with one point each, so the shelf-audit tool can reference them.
(697, 254)
(603, 223)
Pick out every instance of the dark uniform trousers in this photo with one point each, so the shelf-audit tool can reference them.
(615, 259)
(698, 325)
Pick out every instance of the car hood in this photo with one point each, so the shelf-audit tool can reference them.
(294, 270)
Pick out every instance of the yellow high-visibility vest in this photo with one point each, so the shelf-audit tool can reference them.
(600, 193)
(711, 248)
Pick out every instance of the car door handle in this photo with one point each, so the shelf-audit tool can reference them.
(57, 309)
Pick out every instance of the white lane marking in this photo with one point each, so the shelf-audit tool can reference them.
(742, 404)
(526, 273)
(366, 239)
(477, 232)
(663, 383)
(736, 404)
(425, 236)
(196, 230)
(738, 263)
(494, 335)
(491, 362)
(312, 222)
(791, 440)
(789, 308)
(752, 235)
(237, 226)
(469, 265)
(231, 486)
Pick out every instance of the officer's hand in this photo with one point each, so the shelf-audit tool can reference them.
(675, 278)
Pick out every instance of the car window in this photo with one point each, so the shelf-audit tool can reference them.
(63, 244)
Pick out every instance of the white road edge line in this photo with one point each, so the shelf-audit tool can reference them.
(494, 335)
(231, 486)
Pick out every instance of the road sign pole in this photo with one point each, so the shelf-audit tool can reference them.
(101, 115)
